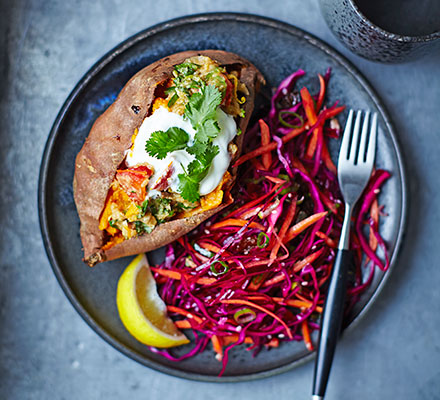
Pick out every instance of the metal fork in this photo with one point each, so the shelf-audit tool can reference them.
(355, 164)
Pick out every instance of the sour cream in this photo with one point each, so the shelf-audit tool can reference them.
(161, 120)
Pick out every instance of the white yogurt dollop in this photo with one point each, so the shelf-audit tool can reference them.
(161, 120)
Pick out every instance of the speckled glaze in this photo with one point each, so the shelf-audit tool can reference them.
(366, 39)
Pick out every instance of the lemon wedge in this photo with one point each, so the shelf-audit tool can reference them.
(142, 311)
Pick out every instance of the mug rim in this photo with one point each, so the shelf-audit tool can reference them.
(391, 35)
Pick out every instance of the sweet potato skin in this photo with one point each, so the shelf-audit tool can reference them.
(110, 136)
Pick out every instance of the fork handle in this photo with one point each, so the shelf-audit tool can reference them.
(331, 321)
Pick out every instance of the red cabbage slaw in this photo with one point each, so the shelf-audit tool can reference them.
(257, 272)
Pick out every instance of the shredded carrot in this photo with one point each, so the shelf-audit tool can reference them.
(328, 241)
(274, 342)
(328, 162)
(301, 297)
(282, 232)
(177, 275)
(265, 140)
(332, 112)
(275, 180)
(185, 313)
(297, 303)
(290, 302)
(309, 106)
(374, 212)
(259, 297)
(237, 222)
(233, 338)
(265, 310)
(210, 247)
(298, 266)
(321, 92)
(306, 335)
(302, 225)
(201, 257)
(217, 346)
(309, 109)
(255, 263)
(183, 324)
(255, 202)
(313, 143)
(250, 213)
(271, 146)
(168, 273)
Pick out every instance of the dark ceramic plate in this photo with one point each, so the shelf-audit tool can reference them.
(276, 49)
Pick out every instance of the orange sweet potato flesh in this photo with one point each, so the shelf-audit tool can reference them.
(110, 136)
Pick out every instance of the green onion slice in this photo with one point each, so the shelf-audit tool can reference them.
(221, 270)
(293, 114)
(262, 240)
(256, 280)
(202, 251)
(173, 100)
(244, 316)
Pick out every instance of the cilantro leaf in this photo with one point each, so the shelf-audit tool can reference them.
(189, 187)
(189, 181)
(197, 148)
(208, 156)
(161, 143)
(202, 106)
(206, 131)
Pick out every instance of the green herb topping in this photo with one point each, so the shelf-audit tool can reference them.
(201, 112)
(161, 143)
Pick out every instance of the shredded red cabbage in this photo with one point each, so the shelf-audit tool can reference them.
(274, 269)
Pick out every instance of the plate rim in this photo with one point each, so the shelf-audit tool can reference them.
(102, 63)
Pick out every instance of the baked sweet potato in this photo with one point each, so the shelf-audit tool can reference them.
(111, 136)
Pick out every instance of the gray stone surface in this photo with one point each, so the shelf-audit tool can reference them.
(48, 352)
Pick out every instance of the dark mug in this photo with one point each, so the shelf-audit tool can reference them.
(402, 30)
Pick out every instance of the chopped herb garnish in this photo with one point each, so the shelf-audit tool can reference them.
(112, 223)
(186, 68)
(197, 170)
(201, 112)
(161, 208)
(142, 227)
(172, 100)
(183, 206)
(163, 142)
(169, 90)
(143, 209)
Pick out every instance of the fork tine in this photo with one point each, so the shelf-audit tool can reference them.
(371, 152)
(354, 139)
(364, 136)
(345, 145)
